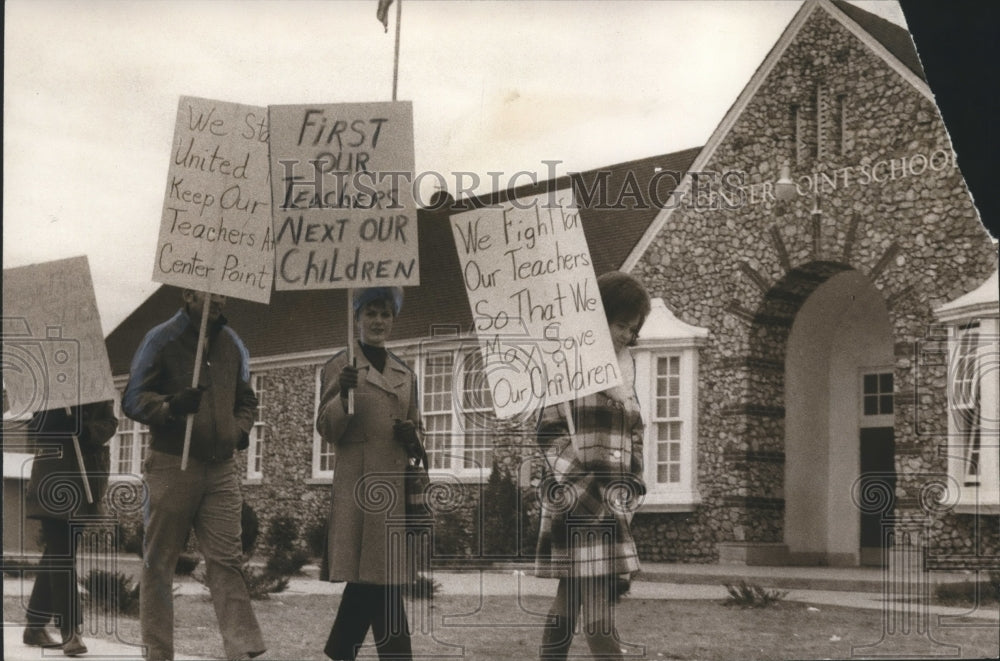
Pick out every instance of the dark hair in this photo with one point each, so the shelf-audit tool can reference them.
(393, 296)
(623, 296)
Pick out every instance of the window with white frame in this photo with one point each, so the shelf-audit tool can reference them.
(666, 422)
(455, 406)
(666, 384)
(876, 398)
(129, 446)
(964, 403)
(876, 394)
(459, 424)
(258, 434)
(322, 461)
(973, 414)
(436, 406)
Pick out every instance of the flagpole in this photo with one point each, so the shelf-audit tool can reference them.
(395, 62)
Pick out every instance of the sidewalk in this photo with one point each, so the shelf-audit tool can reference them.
(818, 586)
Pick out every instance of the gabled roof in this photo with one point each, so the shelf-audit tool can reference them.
(304, 322)
(897, 40)
(889, 42)
(983, 301)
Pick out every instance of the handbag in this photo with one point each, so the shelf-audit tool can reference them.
(417, 483)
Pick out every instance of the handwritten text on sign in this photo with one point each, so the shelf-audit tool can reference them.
(341, 178)
(215, 232)
(53, 347)
(534, 297)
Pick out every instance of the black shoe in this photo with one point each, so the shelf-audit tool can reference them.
(73, 645)
(38, 637)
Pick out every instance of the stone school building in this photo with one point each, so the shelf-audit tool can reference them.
(815, 373)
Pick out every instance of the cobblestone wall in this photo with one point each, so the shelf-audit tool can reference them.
(870, 153)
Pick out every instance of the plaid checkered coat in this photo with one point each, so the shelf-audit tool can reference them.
(590, 489)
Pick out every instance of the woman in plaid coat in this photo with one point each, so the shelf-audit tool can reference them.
(593, 483)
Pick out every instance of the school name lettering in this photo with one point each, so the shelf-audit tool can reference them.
(866, 174)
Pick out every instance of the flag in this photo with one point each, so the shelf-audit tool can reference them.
(382, 13)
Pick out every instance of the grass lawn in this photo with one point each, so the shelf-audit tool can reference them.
(296, 627)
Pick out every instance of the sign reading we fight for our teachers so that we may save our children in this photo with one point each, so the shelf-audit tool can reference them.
(342, 186)
(536, 307)
(215, 231)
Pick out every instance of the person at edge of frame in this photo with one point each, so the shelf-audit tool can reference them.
(374, 443)
(55, 474)
(584, 537)
(207, 494)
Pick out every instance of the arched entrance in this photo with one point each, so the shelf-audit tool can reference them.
(838, 420)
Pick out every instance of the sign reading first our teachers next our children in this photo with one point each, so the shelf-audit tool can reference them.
(215, 231)
(534, 298)
(342, 187)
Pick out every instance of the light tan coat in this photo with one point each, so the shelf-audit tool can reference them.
(369, 465)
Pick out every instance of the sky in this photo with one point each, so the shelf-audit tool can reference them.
(91, 91)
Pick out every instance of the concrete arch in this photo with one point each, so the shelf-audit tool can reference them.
(840, 331)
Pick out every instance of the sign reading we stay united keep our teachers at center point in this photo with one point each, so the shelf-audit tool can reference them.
(215, 229)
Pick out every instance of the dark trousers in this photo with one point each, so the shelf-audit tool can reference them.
(54, 594)
(364, 606)
(595, 597)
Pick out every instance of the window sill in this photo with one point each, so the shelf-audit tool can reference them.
(320, 479)
(987, 504)
(673, 501)
(253, 481)
(124, 477)
(461, 476)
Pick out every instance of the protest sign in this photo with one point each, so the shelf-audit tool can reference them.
(53, 348)
(341, 178)
(534, 298)
(215, 231)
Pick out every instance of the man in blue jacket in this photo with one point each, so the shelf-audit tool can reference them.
(207, 494)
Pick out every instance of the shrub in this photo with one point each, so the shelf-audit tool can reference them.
(287, 563)
(112, 592)
(286, 557)
(16, 567)
(500, 499)
(130, 537)
(250, 529)
(186, 563)
(421, 587)
(451, 535)
(751, 595)
(316, 536)
(282, 534)
(967, 593)
(262, 583)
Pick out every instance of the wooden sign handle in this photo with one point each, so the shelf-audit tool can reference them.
(350, 346)
(194, 379)
(83, 467)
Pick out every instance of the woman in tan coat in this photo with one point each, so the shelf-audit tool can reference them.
(372, 447)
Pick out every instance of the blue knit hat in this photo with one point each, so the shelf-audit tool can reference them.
(393, 295)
